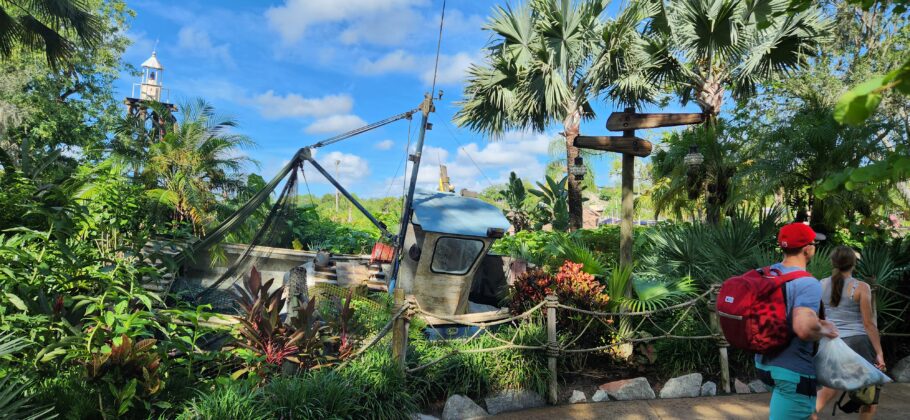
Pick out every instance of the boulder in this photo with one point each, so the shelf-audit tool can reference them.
(757, 386)
(709, 389)
(423, 417)
(600, 396)
(741, 388)
(629, 389)
(577, 397)
(687, 386)
(901, 371)
(513, 400)
(460, 407)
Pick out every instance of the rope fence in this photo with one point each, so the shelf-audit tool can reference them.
(619, 325)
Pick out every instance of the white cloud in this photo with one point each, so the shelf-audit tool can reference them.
(197, 42)
(335, 124)
(388, 29)
(292, 19)
(293, 105)
(347, 168)
(385, 145)
(452, 68)
(397, 61)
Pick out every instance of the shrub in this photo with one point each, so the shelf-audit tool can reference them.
(228, 399)
(478, 374)
(313, 395)
(571, 285)
(382, 388)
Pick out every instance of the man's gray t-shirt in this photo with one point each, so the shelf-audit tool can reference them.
(804, 292)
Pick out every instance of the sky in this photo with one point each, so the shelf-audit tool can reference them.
(294, 72)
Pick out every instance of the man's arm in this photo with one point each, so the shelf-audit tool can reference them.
(808, 327)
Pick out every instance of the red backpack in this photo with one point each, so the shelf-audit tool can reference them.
(752, 309)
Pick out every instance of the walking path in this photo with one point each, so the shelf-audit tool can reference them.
(895, 404)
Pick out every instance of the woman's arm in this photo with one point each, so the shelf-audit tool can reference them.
(870, 323)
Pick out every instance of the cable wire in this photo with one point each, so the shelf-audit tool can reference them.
(442, 19)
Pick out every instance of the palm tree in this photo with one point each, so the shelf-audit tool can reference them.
(516, 198)
(48, 26)
(705, 49)
(196, 161)
(547, 61)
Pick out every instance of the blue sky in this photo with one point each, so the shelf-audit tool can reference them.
(293, 72)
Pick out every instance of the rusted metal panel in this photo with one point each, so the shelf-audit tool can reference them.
(634, 146)
(621, 121)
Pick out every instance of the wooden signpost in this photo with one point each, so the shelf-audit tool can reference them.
(630, 146)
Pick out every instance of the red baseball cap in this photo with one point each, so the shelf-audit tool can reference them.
(797, 235)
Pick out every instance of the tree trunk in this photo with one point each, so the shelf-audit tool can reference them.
(570, 130)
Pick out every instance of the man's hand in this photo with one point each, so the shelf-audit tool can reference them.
(880, 361)
(828, 328)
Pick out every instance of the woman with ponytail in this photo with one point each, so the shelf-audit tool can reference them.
(848, 304)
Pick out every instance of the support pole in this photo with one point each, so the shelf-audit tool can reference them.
(426, 108)
(552, 348)
(628, 180)
(722, 345)
(399, 331)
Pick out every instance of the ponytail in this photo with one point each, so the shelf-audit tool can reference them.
(843, 259)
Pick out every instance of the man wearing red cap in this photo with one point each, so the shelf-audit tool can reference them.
(791, 372)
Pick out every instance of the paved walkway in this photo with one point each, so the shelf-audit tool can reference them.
(895, 404)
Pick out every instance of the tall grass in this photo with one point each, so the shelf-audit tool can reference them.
(478, 374)
(228, 400)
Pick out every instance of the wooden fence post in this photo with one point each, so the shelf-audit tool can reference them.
(722, 344)
(400, 330)
(552, 347)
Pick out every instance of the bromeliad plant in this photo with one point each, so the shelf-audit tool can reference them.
(267, 341)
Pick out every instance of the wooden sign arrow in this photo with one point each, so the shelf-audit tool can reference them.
(629, 145)
(622, 121)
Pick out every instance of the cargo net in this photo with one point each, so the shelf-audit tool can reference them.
(264, 223)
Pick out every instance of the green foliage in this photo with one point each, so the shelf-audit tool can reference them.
(516, 200)
(314, 232)
(319, 394)
(478, 374)
(229, 399)
(553, 208)
(14, 404)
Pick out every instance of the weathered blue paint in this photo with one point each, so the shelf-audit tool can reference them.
(450, 213)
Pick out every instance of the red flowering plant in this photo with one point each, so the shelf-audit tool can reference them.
(573, 287)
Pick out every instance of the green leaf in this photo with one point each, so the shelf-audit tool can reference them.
(17, 302)
(859, 103)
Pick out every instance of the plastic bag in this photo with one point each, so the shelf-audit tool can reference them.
(838, 366)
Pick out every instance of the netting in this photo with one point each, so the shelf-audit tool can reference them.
(275, 232)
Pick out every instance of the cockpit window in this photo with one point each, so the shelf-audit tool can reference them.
(455, 255)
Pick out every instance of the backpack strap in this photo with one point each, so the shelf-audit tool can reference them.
(784, 278)
(837, 404)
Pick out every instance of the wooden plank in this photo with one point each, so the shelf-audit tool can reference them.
(620, 121)
(628, 145)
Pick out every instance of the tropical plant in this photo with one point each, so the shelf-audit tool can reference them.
(229, 399)
(705, 48)
(267, 342)
(516, 196)
(193, 162)
(14, 404)
(547, 62)
(123, 367)
(552, 209)
(48, 26)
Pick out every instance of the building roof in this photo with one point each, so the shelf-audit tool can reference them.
(449, 213)
(152, 62)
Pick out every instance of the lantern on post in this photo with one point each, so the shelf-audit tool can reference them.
(578, 168)
(694, 159)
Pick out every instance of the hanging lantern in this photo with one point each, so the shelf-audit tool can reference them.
(694, 158)
(578, 168)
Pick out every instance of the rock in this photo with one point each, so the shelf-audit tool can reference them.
(513, 400)
(687, 386)
(741, 388)
(709, 389)
(600, 396)
(423, 417)
(629, 389)
(757, 386)
(901, 371)
(577, 397)
(460, 407)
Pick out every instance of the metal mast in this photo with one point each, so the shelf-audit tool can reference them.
(426, 107)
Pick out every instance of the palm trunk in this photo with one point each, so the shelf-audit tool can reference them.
(570, 130)
(710, 97)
